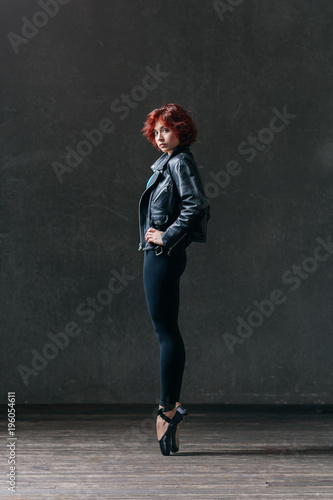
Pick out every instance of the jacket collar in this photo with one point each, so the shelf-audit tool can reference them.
(163, 160)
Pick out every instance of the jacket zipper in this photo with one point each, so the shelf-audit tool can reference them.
(140, 243)
(150, 185)
(164, 190)
(169, 251)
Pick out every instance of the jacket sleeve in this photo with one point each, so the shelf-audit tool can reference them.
(193, 201)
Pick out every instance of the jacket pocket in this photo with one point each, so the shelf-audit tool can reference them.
(159, 221)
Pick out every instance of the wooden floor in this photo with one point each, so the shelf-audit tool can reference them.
(227, 452)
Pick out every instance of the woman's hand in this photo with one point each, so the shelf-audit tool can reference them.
(154, 236)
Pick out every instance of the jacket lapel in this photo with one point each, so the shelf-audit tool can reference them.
(160, 163)
(163, 160)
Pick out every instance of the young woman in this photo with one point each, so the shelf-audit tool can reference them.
(173, 212)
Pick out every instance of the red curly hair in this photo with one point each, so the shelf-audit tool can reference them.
(175, 118)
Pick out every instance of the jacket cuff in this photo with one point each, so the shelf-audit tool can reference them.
(170, 238)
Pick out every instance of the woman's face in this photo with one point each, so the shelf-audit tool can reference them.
(165, 138)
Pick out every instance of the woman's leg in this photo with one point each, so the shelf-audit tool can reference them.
(161, 275)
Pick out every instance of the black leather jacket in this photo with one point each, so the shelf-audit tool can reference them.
(174, 202)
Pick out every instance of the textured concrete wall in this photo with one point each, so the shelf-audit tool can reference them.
(78, 78)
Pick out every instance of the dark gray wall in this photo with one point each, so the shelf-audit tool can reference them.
(64, 242)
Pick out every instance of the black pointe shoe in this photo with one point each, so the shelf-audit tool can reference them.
(165, 441)
(180, 414)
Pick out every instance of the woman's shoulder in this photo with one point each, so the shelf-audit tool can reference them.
(183, 159)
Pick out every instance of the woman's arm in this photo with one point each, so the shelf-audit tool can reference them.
(194, 202)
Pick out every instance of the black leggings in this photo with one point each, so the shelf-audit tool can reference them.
(161, 278)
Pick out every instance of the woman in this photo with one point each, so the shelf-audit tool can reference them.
(173, 212)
